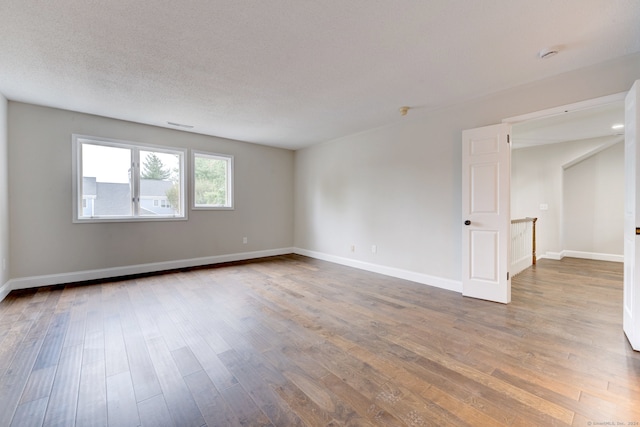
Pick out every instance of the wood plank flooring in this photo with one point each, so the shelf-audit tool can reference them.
(292, 341)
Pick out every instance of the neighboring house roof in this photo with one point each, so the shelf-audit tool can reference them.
(148, 187)
(115, 198)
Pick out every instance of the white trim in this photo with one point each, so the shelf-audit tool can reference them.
(425, 279)
(552, 255)
(584, 255)
(230, 180)
(105, 273)
(77, 141)
(594, 256)
(569, 108)
(5, 289)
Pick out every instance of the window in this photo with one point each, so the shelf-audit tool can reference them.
(123, 181)
(212, 181)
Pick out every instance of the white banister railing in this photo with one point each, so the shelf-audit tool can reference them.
(523, 244)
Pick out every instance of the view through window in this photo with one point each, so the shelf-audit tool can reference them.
(123, 181)
(212, 183)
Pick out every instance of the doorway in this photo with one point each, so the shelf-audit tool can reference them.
(476, 138)
(567, 170)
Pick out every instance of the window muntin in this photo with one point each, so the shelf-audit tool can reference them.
(118, 181)
(212, 181)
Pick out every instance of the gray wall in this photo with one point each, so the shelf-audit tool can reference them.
(4, 197)
(44, 241)
(594, 203)
(399, 188)
(396, 187)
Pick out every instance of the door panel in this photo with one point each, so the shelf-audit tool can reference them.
(486, 163)
(631, 293)
(484, 192)
(484, 244)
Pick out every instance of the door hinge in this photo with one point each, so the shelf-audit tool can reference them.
(508, 139)
(507, 275)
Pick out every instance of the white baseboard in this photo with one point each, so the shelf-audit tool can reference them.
(552, 255)
(105, 273)
(425, 279)
(584, 255)
(4, 290)
(438, 282)
(594, 256)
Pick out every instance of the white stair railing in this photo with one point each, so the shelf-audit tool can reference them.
(523, 244)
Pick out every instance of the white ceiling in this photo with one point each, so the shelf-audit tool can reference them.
(291, 73)
(595, 122)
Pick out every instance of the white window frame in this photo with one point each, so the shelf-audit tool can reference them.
(135, 147)
(230, 173)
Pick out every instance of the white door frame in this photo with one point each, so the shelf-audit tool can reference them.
(631, 296)
(549, 112)
(583, 105)
(616, 98)
(569, 108)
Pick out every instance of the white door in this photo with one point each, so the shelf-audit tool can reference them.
(631, 293)
(486, 177)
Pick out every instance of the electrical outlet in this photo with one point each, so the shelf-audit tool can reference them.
(353, 248)
(374, 249)
(245, 241)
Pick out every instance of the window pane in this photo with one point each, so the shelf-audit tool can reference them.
(159, 180)
(211, 181)
(118, 181)
(106, 181)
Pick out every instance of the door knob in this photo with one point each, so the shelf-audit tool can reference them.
(467, 222)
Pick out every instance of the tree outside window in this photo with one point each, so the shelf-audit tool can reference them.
(212, 180)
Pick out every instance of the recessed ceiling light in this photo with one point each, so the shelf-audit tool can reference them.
(617, 126)
(180, 125)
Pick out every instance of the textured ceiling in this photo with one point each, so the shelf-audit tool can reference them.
(291, 73)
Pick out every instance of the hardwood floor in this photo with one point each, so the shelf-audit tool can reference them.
(291, 341)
